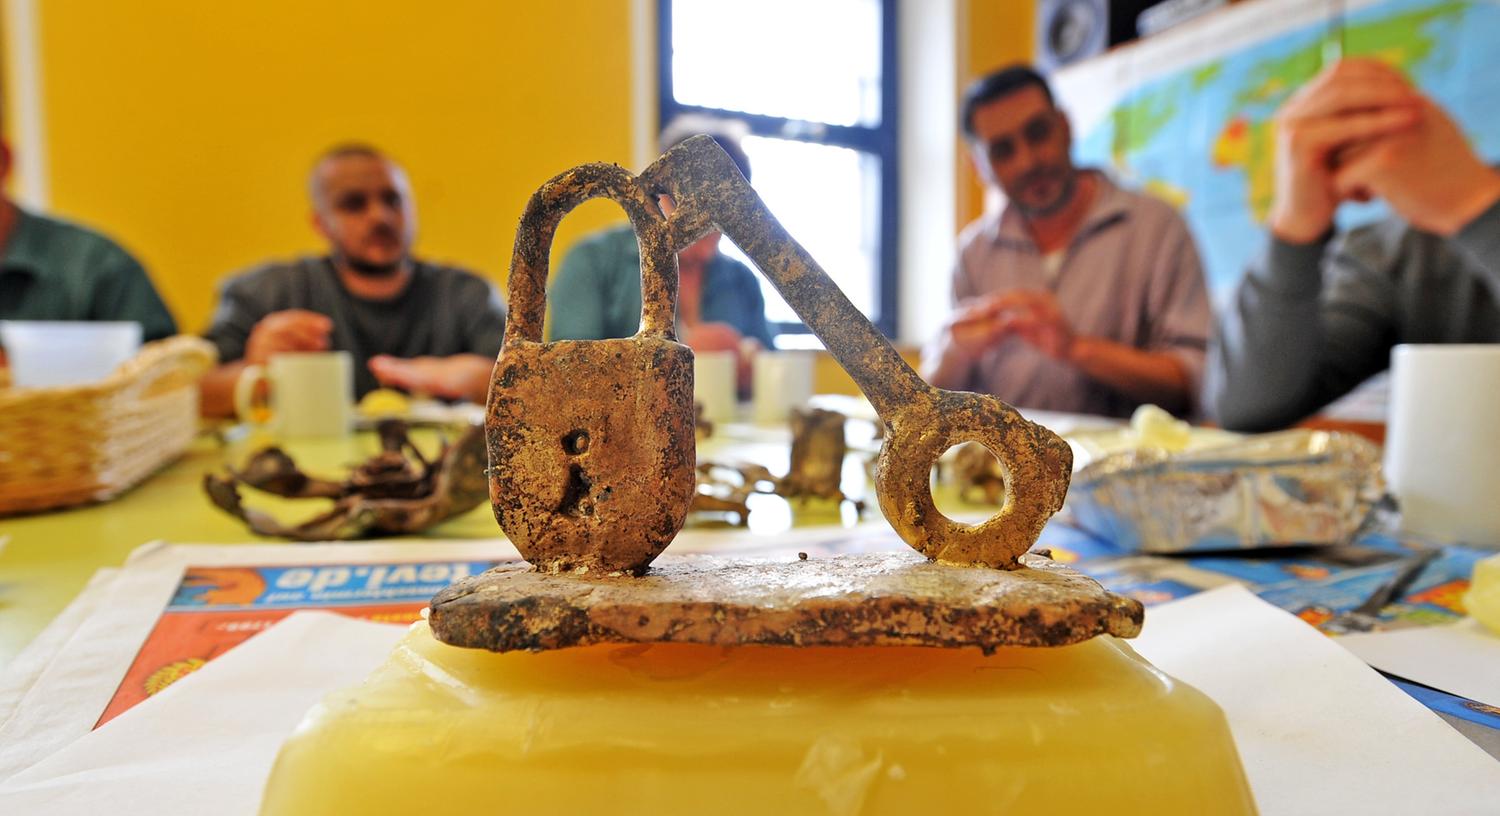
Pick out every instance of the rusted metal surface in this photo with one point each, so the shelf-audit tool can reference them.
(818, 449)
(395, 492)
(591, 441)
(880, 599)
(616, 504)
(977, 474)
(817, 469)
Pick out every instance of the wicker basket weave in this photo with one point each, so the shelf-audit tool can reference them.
(74, 444)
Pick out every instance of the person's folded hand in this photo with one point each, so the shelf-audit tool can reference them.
(975, 326)
(1035, 316)
(705, 337)
(1428, 174)
(1344, 109)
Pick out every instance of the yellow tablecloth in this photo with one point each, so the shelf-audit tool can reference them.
(50, 556)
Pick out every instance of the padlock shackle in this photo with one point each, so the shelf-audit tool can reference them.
(711, 193)
(532, 255)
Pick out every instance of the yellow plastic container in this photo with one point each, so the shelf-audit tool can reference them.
(1483, 598)
(667, 729)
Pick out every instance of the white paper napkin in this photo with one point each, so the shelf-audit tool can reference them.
(1318, 731)
(206, 743)
(1460, 658)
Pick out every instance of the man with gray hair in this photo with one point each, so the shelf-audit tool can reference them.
(408, 323)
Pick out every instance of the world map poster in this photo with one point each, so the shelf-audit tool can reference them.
(1188, 115)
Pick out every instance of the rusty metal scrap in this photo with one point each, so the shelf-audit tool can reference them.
(720, 492)
(817, 465)
(978, 475)
(818, 449)
(878, 599)
(397, 491)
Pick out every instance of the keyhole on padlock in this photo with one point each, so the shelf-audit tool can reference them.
(574, 492)
(577, 488)
(576, 442)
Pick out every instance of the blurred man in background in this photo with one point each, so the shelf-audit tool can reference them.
(1079, 296)
(408, 323)
(53, 270)
(596, 293)
(1319, 313)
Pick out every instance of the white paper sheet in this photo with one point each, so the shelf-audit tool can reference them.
(64, 700)
(206, 743)
(56, 690)
(1318, 731)
(21, 673)
(61, 702)
(1461, 658)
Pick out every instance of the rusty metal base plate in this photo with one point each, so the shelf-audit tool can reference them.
(879, 599)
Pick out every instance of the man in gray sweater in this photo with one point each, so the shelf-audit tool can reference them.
(408, 323)
(1319, 314)
(1078, 296)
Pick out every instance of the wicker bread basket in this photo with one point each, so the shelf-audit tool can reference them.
(73, 444)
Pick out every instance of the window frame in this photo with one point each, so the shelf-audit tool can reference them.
(880, 142)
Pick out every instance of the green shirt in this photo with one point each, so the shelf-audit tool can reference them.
(53, 270)
(596, 293)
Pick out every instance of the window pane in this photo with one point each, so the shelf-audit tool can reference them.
(827, 198)
(814, 60)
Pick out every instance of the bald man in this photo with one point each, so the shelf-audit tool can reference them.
(409, 324)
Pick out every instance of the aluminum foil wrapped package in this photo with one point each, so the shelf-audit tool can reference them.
(1290, 488)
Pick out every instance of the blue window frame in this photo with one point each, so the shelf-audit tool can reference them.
(815, 82)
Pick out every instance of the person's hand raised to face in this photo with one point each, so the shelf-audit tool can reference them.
(1428, 173)
(1345, 107)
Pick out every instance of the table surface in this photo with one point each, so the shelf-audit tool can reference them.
(48, 557)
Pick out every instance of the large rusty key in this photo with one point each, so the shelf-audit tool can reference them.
(922, 421)
(591, 441)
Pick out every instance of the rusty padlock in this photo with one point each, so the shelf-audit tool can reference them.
(591, 443)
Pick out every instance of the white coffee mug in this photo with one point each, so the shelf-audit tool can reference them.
(1442, 442)
(782, 380)
(714, 384)
(311, 393)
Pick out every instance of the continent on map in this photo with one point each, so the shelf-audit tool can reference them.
(1247, 141)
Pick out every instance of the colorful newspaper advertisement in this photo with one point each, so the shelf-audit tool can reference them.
(216, 608)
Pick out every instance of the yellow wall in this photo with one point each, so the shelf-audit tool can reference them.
(992, 34)
(185, 128)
